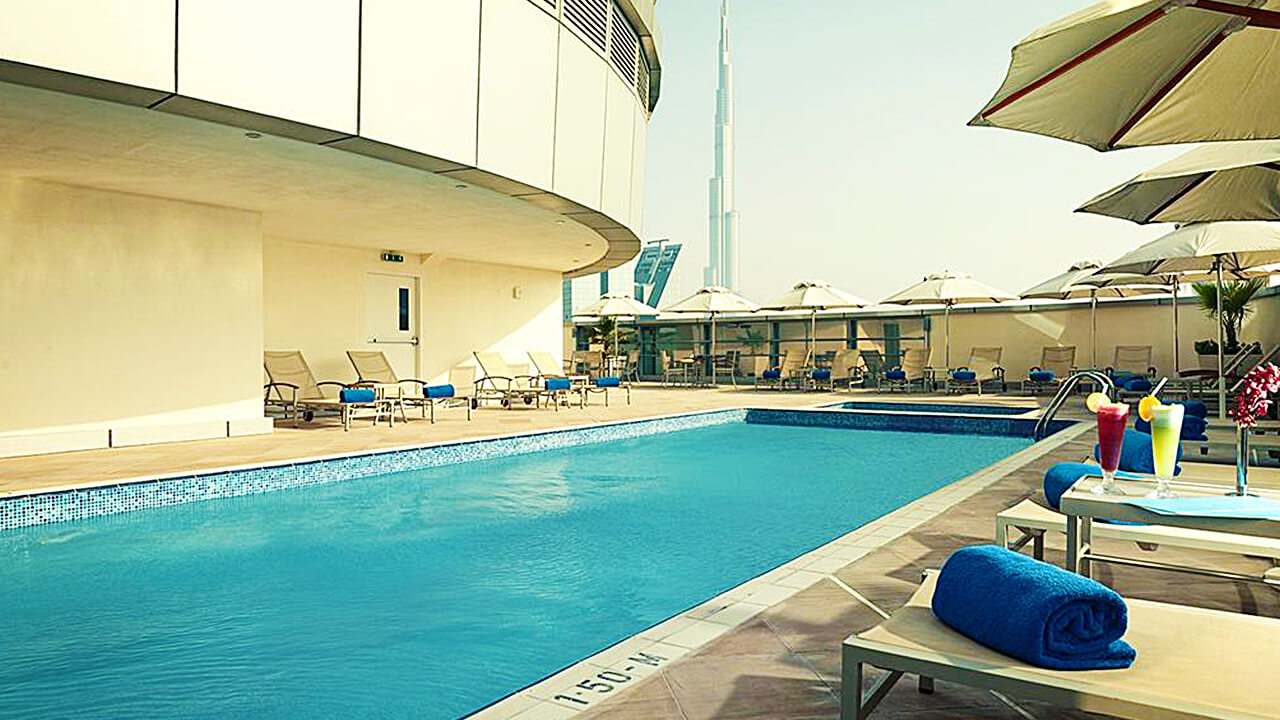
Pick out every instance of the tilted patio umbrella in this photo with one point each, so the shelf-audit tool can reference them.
(1126, 73)
(1082, 281)
(948, 289)
(615, 305)
(1225, 247)
(713, 300)
(815, 295)
(1219, 181)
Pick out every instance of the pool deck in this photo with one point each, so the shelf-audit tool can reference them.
(784, 663)
(325, 436)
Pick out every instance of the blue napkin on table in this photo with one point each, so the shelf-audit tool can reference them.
(1033, 611)
(1245, 508)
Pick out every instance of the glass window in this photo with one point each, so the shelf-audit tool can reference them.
(404, 309)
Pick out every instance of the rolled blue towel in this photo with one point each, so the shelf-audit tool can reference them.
(1194, 408)
(559, 383)
(1033, 611)
(1136, 384)
(357, 395)
(439, 391)
(821, 374)
(1062, 476)
(1135, 454)
(1041, 376)
(608, 382)
(964, 376)
(771, 374)
(895, 375)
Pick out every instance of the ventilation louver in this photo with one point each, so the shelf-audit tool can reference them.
(591, 17)
(625, 46)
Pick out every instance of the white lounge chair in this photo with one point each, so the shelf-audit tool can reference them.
(546, 368)
(789, 371)
(911, 373)
(984, 363)
(1192, 664)
(1057, 359)
(372, 367)
(499, 381)
(293, 387)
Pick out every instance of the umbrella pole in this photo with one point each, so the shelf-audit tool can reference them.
(812, 360)
(713, 349)
(1222, 382)
(1093, 327)
(946, 339)
(1177, 361)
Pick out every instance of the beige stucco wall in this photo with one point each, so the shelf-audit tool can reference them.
(314, 295)
(121, 311)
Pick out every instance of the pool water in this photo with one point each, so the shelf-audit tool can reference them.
(429, 594)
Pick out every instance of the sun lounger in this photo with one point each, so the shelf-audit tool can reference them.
(292, 386)
(1192, 664)
(913, 372)
(503, 383)
(1057, 363)
(983, 367)
(372, 367)
(845, 369)
(789, 372)
(1132, 371)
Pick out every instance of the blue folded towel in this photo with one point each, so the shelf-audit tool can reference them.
(559, 383)
(821, 374)
(439, 391)
(608, 382)
(895, 375)
(1062, 476)
(1041, 376)
(1193, 428)
(771, 374)
(1033, 611)
(964, 376)
(1194, 408)
(1135, 454)
(357, 395)
(1131, 382)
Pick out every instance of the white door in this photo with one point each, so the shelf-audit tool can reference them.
(391, 320)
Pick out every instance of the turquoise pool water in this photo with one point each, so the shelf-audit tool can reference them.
(429, 594)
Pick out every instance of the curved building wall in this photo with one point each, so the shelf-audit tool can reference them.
(547, 100)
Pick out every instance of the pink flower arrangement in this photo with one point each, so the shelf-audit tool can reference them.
(1255, 394)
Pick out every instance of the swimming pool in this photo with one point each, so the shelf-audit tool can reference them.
(935, 407)
(430, 593)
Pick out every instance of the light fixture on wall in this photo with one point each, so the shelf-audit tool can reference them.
(460, 186)
(253, 135)
(517, 292)
(561, 221)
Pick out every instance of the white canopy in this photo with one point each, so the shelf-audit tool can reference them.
(614, 305)
(1124, 73)
(1219, 181)
(816, 295)
(1197, 247)
(1082, 280)
(948, 288)
(714, 299)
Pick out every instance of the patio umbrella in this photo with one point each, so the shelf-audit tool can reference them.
(947, 289)
(1234, 247)
(1082, 280)
(1125, 73)
(815, 295)
(1219, 181)
(713, 300)
(615, 305)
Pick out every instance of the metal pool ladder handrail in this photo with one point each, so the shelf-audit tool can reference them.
(1064, 391)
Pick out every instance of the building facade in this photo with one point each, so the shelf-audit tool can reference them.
(185, 183)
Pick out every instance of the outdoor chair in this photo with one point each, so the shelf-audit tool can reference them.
(983, 368)
(1057, 363)
(677, 367)
(373, 368)
(1131, 370)
(789, 372)
(912, 373)
(503, 383)
(873, 366)
(293, 387)
(845, 369)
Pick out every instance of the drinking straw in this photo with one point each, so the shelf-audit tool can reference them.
(1156, 392)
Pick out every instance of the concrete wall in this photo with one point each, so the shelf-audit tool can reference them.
(124, 313)
(314, 295)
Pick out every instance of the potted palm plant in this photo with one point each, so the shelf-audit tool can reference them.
(1236, 297)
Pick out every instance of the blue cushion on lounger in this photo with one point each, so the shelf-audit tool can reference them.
(1135, 454)
(439, 391)
(1137, 384)
(357, 395)
(1062, 476)
(608, 382)
(896, 375)
(821, 374)
(1041, 376)
(559, 384)
(1033, 611)
(1194, 408)
(771, 374)
(964, 376)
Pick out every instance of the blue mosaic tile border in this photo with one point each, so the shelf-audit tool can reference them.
(69, 505)
(946, 423)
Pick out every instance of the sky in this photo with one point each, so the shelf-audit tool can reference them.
(855, 164)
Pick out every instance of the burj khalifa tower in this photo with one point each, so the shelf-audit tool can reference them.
(722, 262)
